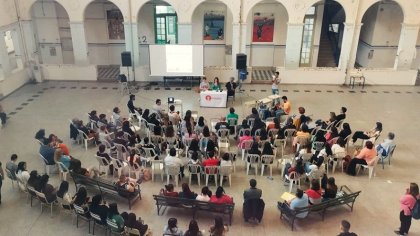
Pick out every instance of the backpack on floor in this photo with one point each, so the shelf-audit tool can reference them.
(416, 210)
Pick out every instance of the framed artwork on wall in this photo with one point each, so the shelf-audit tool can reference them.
(263, 27)
(115, 24)
(214, 25)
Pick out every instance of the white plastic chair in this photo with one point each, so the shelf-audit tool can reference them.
(157, 166)
(122, 151)
(195, 170)
(371, 168)
(242, 132)
(174, 171)
(338, 159)
(288, 135)
(47, 167)
(246, 146)
(225, 171)
(223, 139)
(10, 176)
(267, 160)
(119, 166)
(211, 170)
(251, 122)
(233, 123)
(252, 159)
(83, 137)
(136, 168)
(103, 162)
(294, 178)
(272, 132)
(63, 170)
(232, 158)
(150, 154)
(390, 153)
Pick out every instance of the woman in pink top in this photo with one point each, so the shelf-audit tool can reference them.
(365, 157)
(407, 203)
(246, 136)
(220, 197)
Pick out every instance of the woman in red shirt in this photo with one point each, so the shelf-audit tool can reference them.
(314, 193)
(220, 197)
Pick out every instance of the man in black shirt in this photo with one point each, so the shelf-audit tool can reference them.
(342, 114)
(131, 107)
(231, 86)
(345, 229)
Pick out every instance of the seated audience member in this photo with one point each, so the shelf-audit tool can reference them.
(330, 135)
(300, 201)
(103, 121)
(331, 190)
(253, 192)
(63, 193)
(134, 158)
(145, 115)
(314, 164)
(87, 131)
(345, 229)
(133, 223)
(194, 160)
(274, 125)
(40, 135)
(47, 189)
(303, 134)
(102, 153)
(211, 160)
(220, 197)
(283, 109)
(222, 124)
(205, 194)
(22, 174)
(258, 125)
(98, 207)
(262, 137)
(169, 191)
(226, 160)
(230, 87)
(76, 167)
(342, 114)
(172, 228)
(244, 125)
(174, 117)
(254, 114)
(315, 192)
(115, 216)
(298, 167)
(3, 116)
(34, 179)
(133, 137)
(193, 229)
(211, 146)
(60, 157)
(119, 139)
(186, 192)
(218, 229)
(289, 125)
(300, 119)
(383, 148)
(127, 183)
(194, 146)
(154, 120)
(204, 85)
(199, 127)
(246, 136)
(116, 117)
(146, 144)
(81, 199)
(190, 134)
(366, 156)
(254, 150)
(368, 134)
(93, 116)
(12, 166)
(331, 120)
(216, 86)
(158, 108)
(172, 159)
(346, 131)
(130, 105)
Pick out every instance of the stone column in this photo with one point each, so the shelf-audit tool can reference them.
(346, 45)
(293, 45)
(244, 34)
(236, 41)
(80, 47)
(406, 47)
(132, 41)
(184, 33)
(354, 44)
(30, 42)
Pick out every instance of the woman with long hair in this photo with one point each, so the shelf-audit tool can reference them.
(63, 193)
(186, 192)
(133, 223)
(368, 134)
(193, 229)
(407, 203)
(220, 197)
(346, 131)
(114, 215)
(172, 228)
(218, 229)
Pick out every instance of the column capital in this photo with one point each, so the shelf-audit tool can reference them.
(410, 26)
(300, 24)
(76, 22)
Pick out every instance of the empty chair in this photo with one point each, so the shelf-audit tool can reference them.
(225, 171)
(267, 160)
(294, 178)
(223, 139)
(150, 154)
(157, 167)
(195, 170)
(135, 168)
(232, 123)
(63, 170)
(338, 159)
(174, 171)
(211, 170)
(252, 160)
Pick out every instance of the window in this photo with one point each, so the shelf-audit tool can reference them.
(12, 51)
(166, 28)
(307, 37)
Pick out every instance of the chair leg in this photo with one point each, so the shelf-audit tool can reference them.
(271, 170)
(221, 180)
(167, 179)
(291, 186)
(153, 174)
(176, 180)
(247, 168)
(230, 180)
(215, 179)
(207, 180)
(262, 170)
(243, 153)
(86, 143)
(199, 180)
(190, 179)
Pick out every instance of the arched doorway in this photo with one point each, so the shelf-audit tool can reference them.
(212, 27)
(379, 35)
(52, 33)
(266, 41)
(104, 27)
(322, 35)
(157, 24)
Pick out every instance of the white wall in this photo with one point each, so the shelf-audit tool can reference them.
(146, 32)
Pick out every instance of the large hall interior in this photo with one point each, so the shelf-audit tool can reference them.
(141, 104)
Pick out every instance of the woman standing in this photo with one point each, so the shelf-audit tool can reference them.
(407, 203)
(1, 179)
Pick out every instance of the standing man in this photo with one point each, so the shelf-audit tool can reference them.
(275, 85)
(1, 179)
(253, 192)
(11, 165)
(345, 229)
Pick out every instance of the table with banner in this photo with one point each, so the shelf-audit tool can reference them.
(213, 99)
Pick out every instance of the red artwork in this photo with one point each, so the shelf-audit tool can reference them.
(263, 28)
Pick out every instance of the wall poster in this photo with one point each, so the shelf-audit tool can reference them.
(214, 25)
(115, 24)
(263, 28)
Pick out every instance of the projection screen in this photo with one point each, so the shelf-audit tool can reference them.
(176, 60)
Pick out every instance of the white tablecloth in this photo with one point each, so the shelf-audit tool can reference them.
(213, 99)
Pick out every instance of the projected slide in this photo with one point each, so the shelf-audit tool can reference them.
(179, 59)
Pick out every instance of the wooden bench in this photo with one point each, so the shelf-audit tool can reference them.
(344, 197)
(105, 187)
(193, 205)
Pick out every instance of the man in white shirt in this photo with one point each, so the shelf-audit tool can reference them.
(172, 159)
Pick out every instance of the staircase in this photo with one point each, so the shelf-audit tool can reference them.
(262, 75)
(325, 53)
(108, 72)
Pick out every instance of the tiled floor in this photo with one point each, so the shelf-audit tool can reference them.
(49, 105)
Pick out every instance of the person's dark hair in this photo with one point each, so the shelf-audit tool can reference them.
(146, 140)
(276, 123)
(96, 200)
(194, 146)
(206, 131)
(218, 226)
(299, 193)
(345, 225)
(379, 126)
(131, 220)
(331, 181)
(157, 101)
(252, 183)
(194, 156)
(21, 166)
(187, 116)
(42, 182)
(192, 228)
(369, 144)
(113, 210)
(124, 215)
(301, 110)
(157, 130)
(391, 136)
(414, 190)
(254, 111)
(102, 116)
(172, 224)
(64, 188)
(244, 123)
(81, 196)
(343, 109)
(341, 142)
(247, 132)
(172, 152)
(200, 121)
(33, 178)
(172, 108)
(315, 185)
(169, 187)
(231, 110)
(120, 133)
(267, 150)
(13, 157)
(205, 190)
(169, 132)
(219, 192)
(116, 109)
(346, 126)
(210, 154)
(216, 79)
(40, 134)
(334, 132)
(284, 98)
(225, 156)
(254, 147)
(186, 189)
(263, 134)
(145, 114)
(125, 125)
(132, 96)
(102, 148)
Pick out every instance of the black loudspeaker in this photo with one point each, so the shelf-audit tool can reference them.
(126, 58)
(240, 61)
